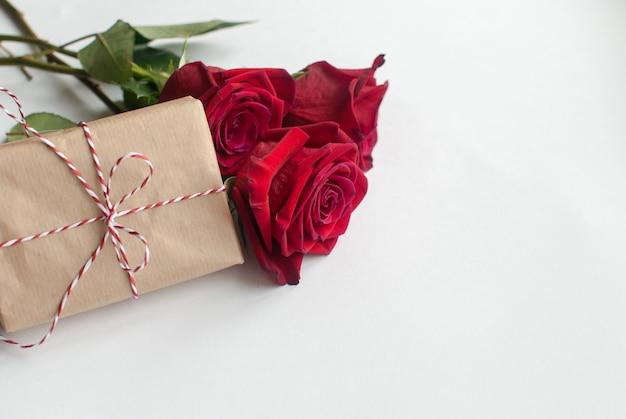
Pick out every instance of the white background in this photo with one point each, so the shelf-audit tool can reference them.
(484, 275)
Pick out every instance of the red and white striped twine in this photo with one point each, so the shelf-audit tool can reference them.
(109, 209)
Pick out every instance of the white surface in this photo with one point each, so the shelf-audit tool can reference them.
(483, 276)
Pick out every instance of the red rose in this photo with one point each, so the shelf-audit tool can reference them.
(240, 105)
(296, 193)
(349, 97)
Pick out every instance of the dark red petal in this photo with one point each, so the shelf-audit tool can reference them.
(192, 79)
(286, 269)
(265, 162)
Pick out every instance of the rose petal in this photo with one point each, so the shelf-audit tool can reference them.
(286, 269)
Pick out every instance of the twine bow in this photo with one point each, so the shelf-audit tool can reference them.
(110, 213)
(110, 210)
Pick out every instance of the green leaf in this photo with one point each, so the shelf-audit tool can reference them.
(183, 55)
(146, 34)
(139, 93)
(43, 122)
(138, 98)
(108, 57)
(155, 59)
(140, 88)
(158, 78)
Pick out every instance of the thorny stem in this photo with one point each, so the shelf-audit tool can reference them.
(54, 62)
(42, 65)
(40, 43)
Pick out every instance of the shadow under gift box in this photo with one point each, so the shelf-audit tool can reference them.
(187, 239)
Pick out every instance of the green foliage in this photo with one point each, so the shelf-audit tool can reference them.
(43, 122)
(122, 56)
(108, 58)
(155, 59)
(146, 34)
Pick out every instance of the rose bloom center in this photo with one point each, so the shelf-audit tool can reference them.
(333, 199)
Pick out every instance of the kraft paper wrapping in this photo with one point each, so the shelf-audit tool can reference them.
(187, 239)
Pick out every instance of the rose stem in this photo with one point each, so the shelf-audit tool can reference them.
(23, 69)
(18, 18)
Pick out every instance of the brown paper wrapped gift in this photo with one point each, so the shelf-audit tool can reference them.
(186, 239)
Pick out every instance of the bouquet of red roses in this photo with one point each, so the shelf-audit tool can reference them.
(298, 145)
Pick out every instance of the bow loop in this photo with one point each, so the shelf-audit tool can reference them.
(110, 209)
(140, 186)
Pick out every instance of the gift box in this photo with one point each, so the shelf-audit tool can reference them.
(186, 239)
